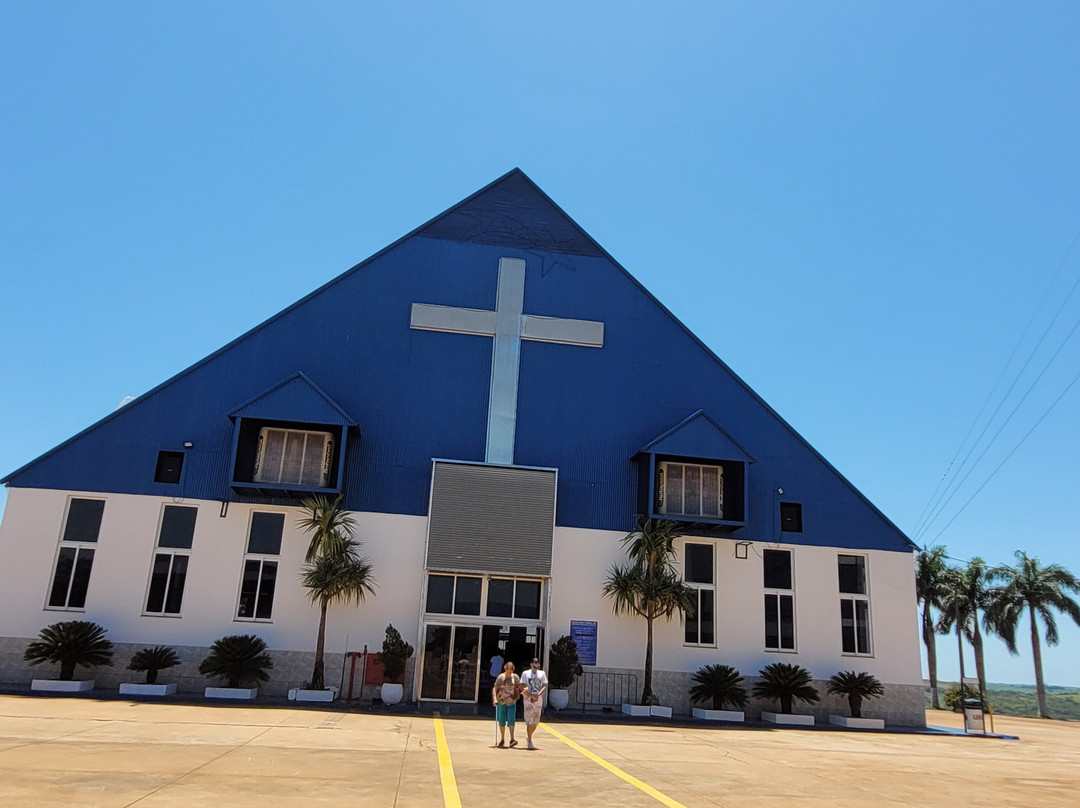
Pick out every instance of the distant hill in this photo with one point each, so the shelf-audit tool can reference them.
(1006, 699)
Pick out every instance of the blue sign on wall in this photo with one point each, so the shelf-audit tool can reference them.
(583, 632)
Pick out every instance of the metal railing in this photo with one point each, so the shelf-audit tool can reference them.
(602, 689)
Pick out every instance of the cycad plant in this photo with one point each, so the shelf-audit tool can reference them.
(70, 643)
(152, 660)
(856, 686)
(238, 659)
(719, 684)
(786, 684)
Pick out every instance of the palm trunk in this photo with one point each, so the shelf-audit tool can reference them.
(1036, 653)
(646, 690)
(317, 682)
(930, 640)
(980, 661)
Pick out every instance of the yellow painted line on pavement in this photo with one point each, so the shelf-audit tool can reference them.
(446, 768)
(652, 792)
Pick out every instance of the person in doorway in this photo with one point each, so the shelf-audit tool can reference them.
(504, 696)
(496, 666)
(534, 683)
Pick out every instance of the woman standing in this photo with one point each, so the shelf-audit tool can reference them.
(504, 696)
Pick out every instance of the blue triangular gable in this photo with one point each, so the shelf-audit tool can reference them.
(699, 436)
(295, 398)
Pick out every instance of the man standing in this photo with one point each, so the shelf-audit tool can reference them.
(535, 682)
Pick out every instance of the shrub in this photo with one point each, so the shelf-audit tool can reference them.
(720, 685)
(955, 695)
(71, 643)
(563, 664)
(238, 658)
(856, 686)
(152, 660)
(394, 654)
(786, 684)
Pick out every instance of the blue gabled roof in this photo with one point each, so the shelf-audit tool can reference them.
(699, 436)
(295, 398)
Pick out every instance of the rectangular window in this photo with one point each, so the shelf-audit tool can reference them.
(791, 517)
(517, 598)
(71, 577)
(854, 605)
(169, 466)
(454, 594)
(260, 566)
(294, 456)
(698, 573)
(169, 572)
(779, 601)
(686, 489)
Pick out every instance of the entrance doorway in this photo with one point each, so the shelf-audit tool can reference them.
(456, 659)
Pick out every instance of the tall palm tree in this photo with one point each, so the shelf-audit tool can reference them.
(929, 575)
(964, 594)
(335, 571)
(1041, 591)
(649, 586)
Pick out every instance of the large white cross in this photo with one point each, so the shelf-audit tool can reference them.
(509, 326)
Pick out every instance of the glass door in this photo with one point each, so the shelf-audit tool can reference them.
(450, 663)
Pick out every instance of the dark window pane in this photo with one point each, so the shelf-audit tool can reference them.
(249, 588)
(787, 621)
(500, 597)
(65, 563)
(772, 622)
(81, 579)
(862, 626)
(699, 563)
(777, 569)
(847, 625)
(436, 662)
(176, 584)
(84, 520)
(791, 517)
(440, 594)
(707, 618)
(467, 595)
(168, 468)
(266, 590)
(177, 527)
(691, 626)
(159, 580)
(527, 601)
(466, 657)
(852, 571)
(266, 529)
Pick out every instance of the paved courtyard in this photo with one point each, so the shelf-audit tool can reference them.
(83, 752)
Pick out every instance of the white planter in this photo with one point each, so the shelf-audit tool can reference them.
(792, 720)
(661, 712)
(857, 723)
(302, 694)
(719, 715)
(61, 686)
(390, 693)
(558, 699)
(239, 693)
(636, 709)
(137, 689)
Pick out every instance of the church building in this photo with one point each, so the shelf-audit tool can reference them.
(497, 400)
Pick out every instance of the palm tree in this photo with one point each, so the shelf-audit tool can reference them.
(1041, 590)
(786, 684)
(720, 684)
(335, 571)
(929, 574)
(70, 643)
(964, 594)
(649, 586)
(856, 686)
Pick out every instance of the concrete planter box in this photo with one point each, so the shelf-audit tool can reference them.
(238, 693)
(300, 694)
(857, 723)
(792, 720)
(720, 715)
(61, 686)
(637, 709)
(136, 689)
(660, 712)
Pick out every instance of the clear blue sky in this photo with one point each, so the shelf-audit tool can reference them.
(859, 207)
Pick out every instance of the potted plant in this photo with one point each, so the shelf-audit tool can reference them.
(719, 685)
(786, 684)
(151, 660)
(71, 644)
(393, 656)
(856, 686)
(563, 671)
(239, 659)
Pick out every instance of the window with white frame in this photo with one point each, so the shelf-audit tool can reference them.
(513, 597)
(492, 596)
(699, 574)
(688, 489)
(169, 572)
(854, 605)
(260, 566)
(294, 456)
(779, 601)
(75, 558)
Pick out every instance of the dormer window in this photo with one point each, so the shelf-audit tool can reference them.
(294, 457)
(689, 489)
